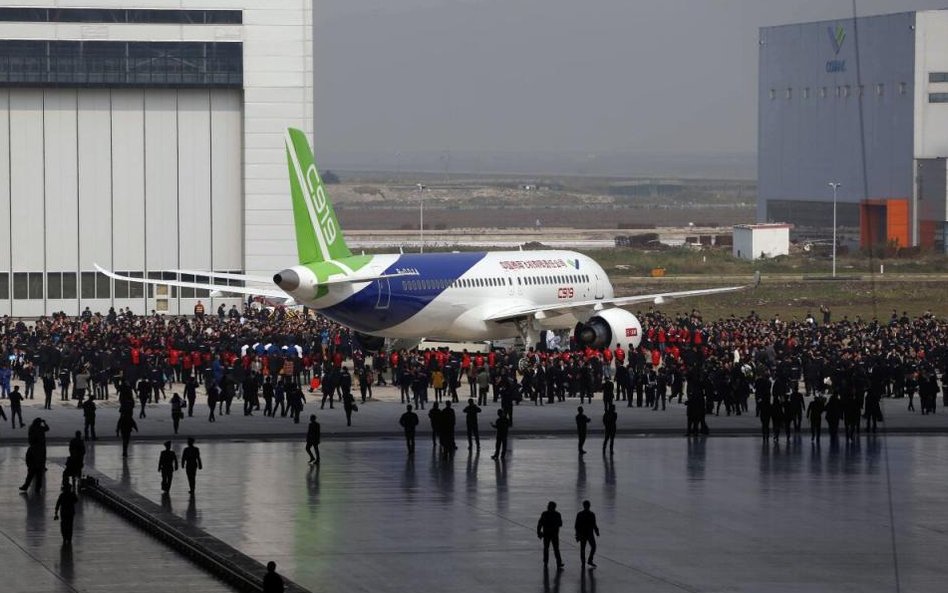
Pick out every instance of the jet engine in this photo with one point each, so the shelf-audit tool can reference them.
(608, 328)
(370, 343)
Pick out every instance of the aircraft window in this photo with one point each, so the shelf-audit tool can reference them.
(518, 280)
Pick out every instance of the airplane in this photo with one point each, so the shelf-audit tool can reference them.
(458, 296)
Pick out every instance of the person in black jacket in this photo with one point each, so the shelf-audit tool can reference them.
(609, 421)
(548, 529)
(408, 421)
(586, 533)
(167, 465)
(313, 435)
(65, 512)
(502, 425)
(272, 582)
(582, 422)
(470, 413)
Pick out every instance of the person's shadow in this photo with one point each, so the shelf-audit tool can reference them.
(587, 581)
(191, 514)
(555, 588)
(166, 502)
(66, 566)
(126, 478)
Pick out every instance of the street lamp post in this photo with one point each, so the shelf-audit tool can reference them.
(421, 215)
(835, 187)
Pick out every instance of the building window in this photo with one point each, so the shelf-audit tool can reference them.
(789, 94)
(69, 285)
(880, 89)
(806, 92)
(938, 77)
(54, 285)
(846, 90)
(938, 97)
(823, 93)
(4, 285)
(36, 286)
(100, 64)
(87, 285)
(773, 94)
(120, 15)
(903, 88)
(20, 285)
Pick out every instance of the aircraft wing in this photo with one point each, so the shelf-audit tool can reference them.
(244, 290)
(225, 276)
(271, 292)
(521, 312)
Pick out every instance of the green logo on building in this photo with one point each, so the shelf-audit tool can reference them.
(837, 36)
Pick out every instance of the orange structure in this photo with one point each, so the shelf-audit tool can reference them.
(884, 221)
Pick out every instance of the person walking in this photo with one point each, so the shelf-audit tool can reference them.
(313, 434)
(814, 413)
(124, 427)
(434, 418)
(408, 422)
(582, 423)
(609, 421)
(586, 533)
(16, 406)
(470, 413)
(190, 393)
(36, 455)
(167, 465)
(65, 512)
(76, 459)
(548, 530)
(273, 582)
(177, 411)
(502, 425)
(191, 460)
(88, 417)
(49, 386)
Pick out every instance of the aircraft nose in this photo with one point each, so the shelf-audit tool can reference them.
(288, 280)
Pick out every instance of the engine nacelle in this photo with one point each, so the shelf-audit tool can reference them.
(608, 328)
(370, 343)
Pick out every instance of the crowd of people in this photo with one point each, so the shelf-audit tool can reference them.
(843, 367)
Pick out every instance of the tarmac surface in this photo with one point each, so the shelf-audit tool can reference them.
(717, 513)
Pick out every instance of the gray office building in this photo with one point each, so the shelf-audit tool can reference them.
(864, 104)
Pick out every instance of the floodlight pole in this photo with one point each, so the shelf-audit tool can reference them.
(835, 187)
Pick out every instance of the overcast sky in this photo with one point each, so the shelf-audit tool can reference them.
(509, 77)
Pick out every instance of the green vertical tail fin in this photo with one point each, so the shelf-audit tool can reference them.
(318, 236)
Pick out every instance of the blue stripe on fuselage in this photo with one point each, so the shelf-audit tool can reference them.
(365, 311)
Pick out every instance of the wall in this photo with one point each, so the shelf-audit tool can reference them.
(807, 141)
(119, 178)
